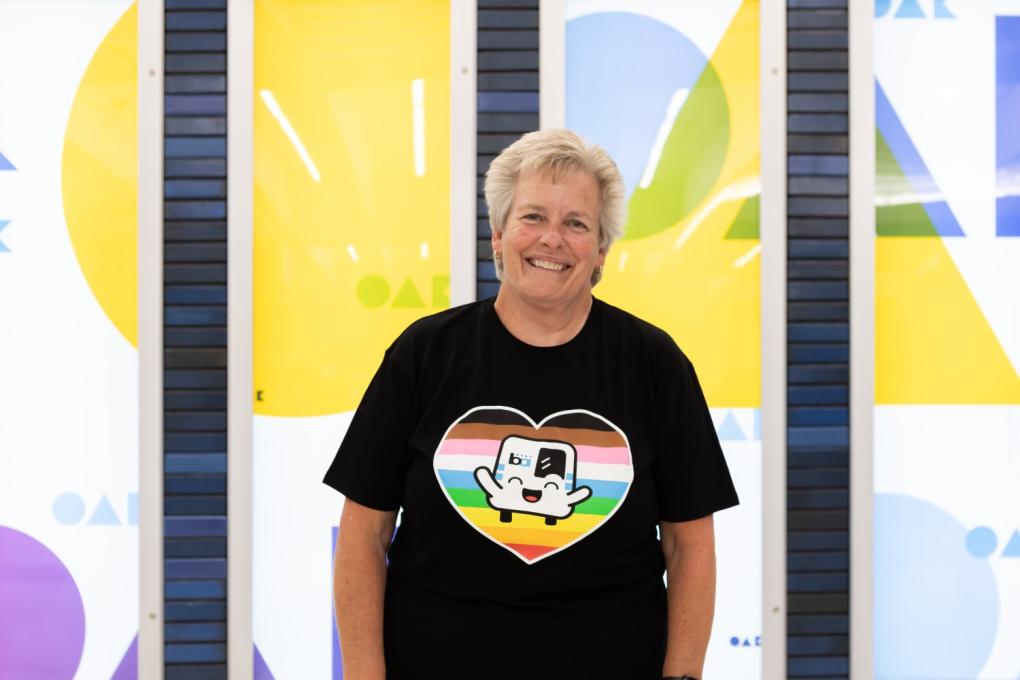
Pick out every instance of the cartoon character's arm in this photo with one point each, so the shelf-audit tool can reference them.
(577, 495)
(484, 478)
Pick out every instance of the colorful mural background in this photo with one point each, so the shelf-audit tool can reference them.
(671, 90)
(351, 244)
(68, 337)
(947, 345)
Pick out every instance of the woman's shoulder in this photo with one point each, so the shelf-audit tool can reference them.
(631, 326)
(453, 318)
(459, 321)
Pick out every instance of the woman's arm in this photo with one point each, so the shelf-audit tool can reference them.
(689, 549)
(359, 583)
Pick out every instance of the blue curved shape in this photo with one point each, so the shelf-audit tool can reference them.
(936, 605)
(622, 70)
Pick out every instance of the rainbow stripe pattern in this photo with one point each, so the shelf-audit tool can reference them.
(603, 465)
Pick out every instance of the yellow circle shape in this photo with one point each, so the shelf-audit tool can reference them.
(100, 175)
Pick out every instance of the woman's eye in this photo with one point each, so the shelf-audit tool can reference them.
(532, 217)
(580, 226)
(514, 479)
(552, 484)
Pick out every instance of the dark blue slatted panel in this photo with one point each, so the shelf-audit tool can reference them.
(195, 4)
(822, 519)
(193, 671)
(507, 100)
(192, 569)
(195, 230)
(195, 63)
(190, 632)
(818, 624)
(195, 505)
(182, 488)
(819, 666)
(194, 125)
(196, 42)
(818, 339)
(195, 548)
(195, 295)
(196, 463)
(194, 590)
(818, 562)
(191, 84)
(195, 652)
(195, 167)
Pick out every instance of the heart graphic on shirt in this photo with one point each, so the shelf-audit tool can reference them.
(534, 488)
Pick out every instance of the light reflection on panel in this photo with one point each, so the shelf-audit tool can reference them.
(68, 339)
(947, 346)
(351, 244)
(671, 90)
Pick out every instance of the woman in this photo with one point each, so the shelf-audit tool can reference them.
(535, 443)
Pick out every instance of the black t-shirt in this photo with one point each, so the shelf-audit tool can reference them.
(532, 480)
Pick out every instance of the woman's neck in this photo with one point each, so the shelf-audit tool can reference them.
(539, 325)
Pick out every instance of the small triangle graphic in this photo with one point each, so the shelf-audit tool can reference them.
(261, 669)
(896, 214)
(408, 297)
(1012, 548)
(133, 509)
(730, 430)
(912, 182)
(6, 164)
(745, 224)
(909, 9)
(3, 248)
(104, 514)
(127, 669)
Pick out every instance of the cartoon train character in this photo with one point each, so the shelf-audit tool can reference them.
(535, 477)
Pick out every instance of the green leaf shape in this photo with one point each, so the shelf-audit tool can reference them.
(745, 224)
(690, 162)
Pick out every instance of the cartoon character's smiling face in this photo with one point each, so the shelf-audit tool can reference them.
(533, 476)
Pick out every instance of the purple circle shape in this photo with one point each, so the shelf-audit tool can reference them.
(42, 619)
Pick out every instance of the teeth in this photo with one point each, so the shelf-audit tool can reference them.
(544, 264)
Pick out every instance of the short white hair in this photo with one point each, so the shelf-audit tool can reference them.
(559, 152)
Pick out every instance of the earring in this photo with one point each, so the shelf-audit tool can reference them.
(497, 256)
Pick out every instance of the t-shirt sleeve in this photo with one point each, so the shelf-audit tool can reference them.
(691, 476)
(374, 455)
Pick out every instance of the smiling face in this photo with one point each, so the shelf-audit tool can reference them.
(550, 242)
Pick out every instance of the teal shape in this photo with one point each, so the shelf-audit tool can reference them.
(104, 514)
(730, 430)
(941, 11)
(1012, 548)
(6, 164)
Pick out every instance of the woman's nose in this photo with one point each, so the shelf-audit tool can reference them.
(552, 236)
